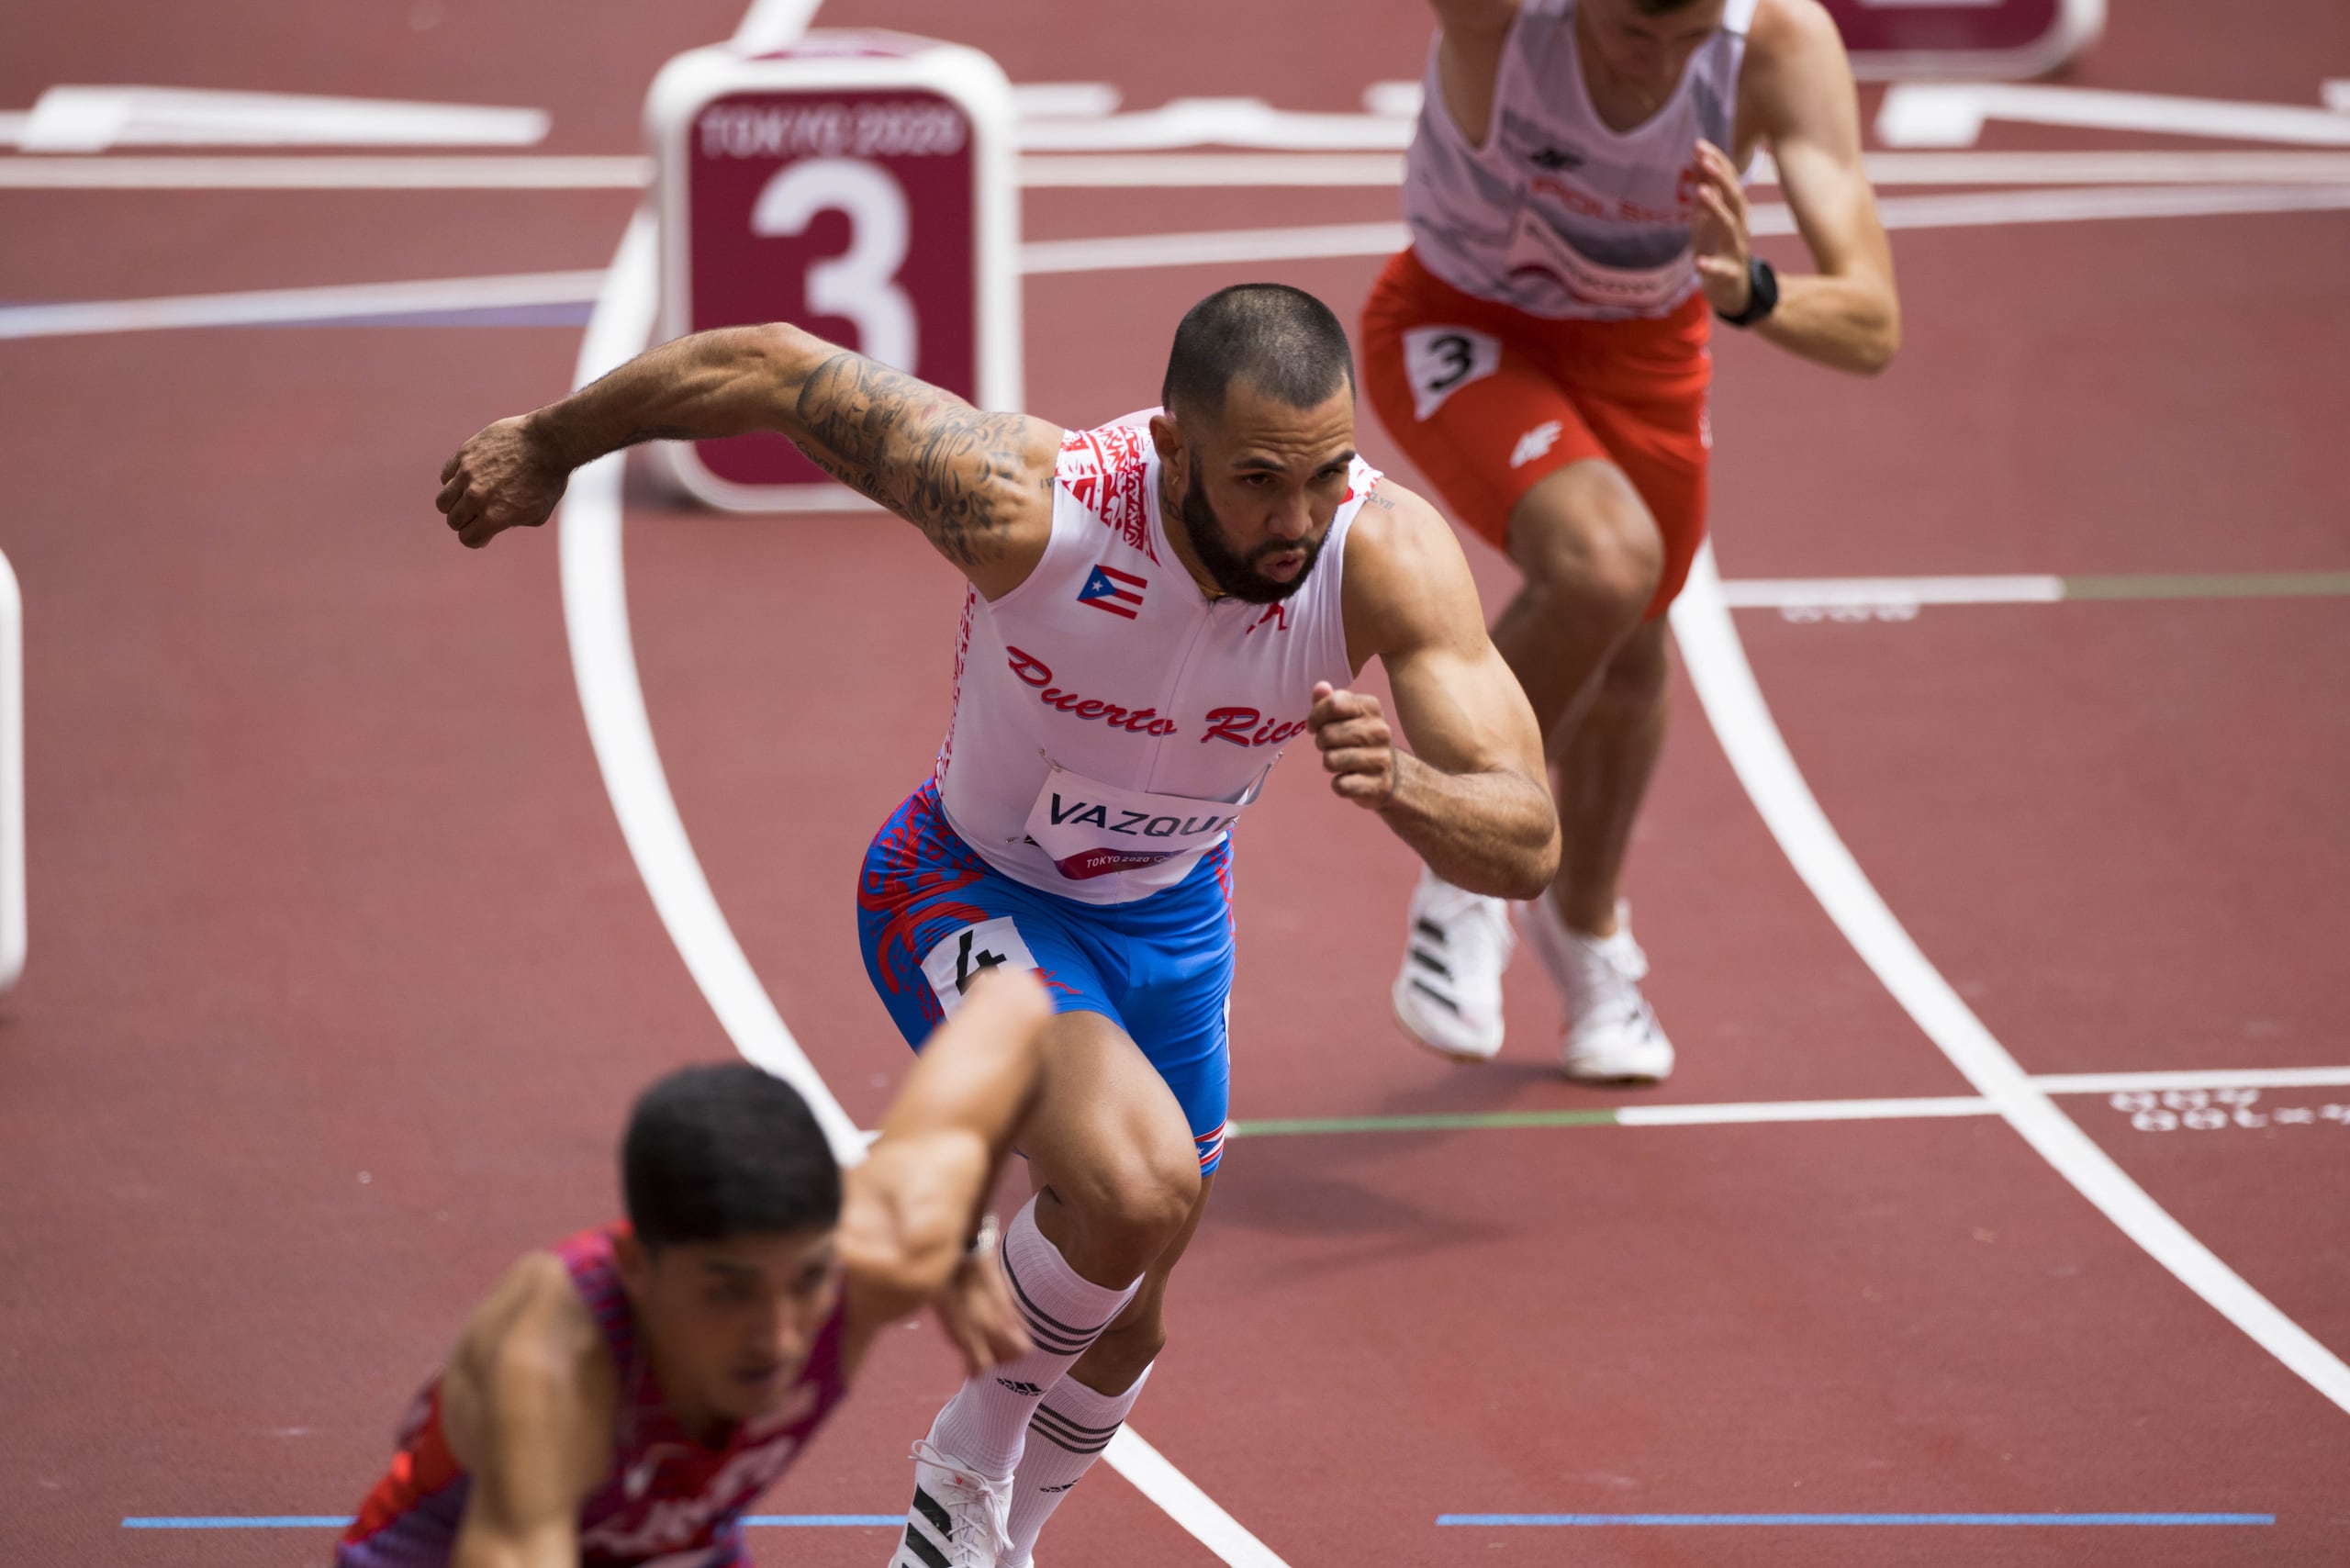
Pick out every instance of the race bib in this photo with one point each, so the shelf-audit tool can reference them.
(1440, 361)
(1534, 246)
(1091, 829)
(961, 957)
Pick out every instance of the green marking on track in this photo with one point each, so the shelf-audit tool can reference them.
(1422, 1124)
(2211, 585)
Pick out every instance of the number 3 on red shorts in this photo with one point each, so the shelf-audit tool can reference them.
(1440, 361)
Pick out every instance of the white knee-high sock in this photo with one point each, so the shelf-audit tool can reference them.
(986, 1425)
(1068, 1433)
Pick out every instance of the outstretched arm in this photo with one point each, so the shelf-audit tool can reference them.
(909, 1212)
(1798, 81)
(1472, 796)
(979, 484)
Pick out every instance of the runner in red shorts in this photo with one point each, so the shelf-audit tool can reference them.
(1574, 196)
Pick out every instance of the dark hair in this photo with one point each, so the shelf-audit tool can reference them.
(725, 1151)
(1280, 339)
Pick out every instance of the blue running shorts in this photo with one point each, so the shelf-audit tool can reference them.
(930, 912)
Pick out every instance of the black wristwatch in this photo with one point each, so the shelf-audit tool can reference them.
(1761, 294)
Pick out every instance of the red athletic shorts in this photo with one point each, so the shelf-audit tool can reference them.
(1489, 400)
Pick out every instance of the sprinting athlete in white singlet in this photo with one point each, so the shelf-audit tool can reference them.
(1539, 352)
(1157, 608)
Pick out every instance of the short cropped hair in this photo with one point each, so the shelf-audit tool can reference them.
(725, 1151)
(1282, 341)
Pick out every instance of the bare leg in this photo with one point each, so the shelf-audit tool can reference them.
(1602, 777)
(1592, 669)
(1591, 556)
(1117, 1173)
(1133, 1341)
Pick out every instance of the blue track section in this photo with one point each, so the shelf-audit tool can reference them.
(1911, 1520)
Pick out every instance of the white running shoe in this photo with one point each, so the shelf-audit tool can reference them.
(959, 1518)
(1609, 1034)
(1448, 993)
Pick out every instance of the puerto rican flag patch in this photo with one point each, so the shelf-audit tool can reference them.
(1109, 588)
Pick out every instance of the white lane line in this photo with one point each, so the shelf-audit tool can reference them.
(283, 305)
(1120, 254)
(1125, 252)
(1952, 114)
(1758, 753)
(1180, 1498)
(1979, 209)
(326, 173)
(1064, 100)
(2215, 1078)
(1114, 171)
(1731, 1113)
(1820, 593)
(1144, 170)
(12, 778)
(1216, 122)
(2127, 168)
(603, 659)
(90, 119)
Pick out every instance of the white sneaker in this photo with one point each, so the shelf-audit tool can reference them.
(1609, 1034)
(960, 1519)
(1448, 993)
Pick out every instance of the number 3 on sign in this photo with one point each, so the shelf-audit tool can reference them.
(860, 285)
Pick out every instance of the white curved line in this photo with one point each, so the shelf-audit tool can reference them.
(1734, 705)
(603, 660)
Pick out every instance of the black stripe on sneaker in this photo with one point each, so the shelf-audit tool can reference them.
(1436, 996)
(1044, 1325)
(930, 1508)
(1422, 955)
(1429, 929)
(924, 1549)
(1065, 1434)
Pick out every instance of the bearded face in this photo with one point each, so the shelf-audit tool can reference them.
(1235, 573)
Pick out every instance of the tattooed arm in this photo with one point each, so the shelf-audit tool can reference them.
(979, 484)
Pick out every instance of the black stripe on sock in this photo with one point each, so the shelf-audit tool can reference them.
(924, 1549)
(1081, 1336)
(1422, 955)
(1429, 929)
(1045, 1338)
(1437, 996)
(1045, 1412)
(1072, 1445)
(940, 1519)
(1069, 1435)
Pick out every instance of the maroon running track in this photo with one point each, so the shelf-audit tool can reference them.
(342, 975)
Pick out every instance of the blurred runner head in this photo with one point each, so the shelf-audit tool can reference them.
(733, 1196)
(1258, 435)
(1647, 43)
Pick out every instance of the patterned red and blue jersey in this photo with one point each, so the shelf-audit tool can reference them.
(668, 1499)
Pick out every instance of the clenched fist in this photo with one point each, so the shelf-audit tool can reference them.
(1359, 753)
(504, 477)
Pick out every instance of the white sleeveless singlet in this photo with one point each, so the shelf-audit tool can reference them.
(1555, 213)
(1112, 720)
